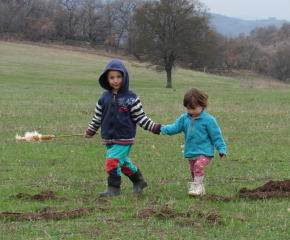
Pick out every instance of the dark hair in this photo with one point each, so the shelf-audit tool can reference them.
(195, 97)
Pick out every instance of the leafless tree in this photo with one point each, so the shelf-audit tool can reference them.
(279, 63)
(93, 21)
(124, 20)
(285, 29)
(71, 13)
(169, 32)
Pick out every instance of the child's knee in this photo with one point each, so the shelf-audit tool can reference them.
(112, 165)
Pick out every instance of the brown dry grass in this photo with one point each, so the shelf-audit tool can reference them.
(247, 77)
(252, 78)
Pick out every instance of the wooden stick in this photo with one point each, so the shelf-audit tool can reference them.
(35, 137)
(69, 135)
(47, 137)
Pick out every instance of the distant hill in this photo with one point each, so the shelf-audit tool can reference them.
(227, 25)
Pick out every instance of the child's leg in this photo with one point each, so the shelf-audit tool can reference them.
(135, 175)
(118, 162)
(128, 168)
(198, 168)
(116, 156)
(191, 167)
(197, 172)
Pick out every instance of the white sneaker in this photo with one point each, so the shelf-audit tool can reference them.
(196, 189)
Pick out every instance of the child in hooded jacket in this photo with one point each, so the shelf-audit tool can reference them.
(201, 133)
(117, 112)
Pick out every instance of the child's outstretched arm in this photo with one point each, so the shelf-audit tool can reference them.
(175, 128)
(95, 123)
(139, 117)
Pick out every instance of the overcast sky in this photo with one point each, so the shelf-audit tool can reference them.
(250, 9)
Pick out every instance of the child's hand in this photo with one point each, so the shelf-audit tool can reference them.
(222, 156)
(88, 136)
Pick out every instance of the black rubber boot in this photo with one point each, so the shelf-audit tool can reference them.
(110, 191)
(114, 188)
(139, 182)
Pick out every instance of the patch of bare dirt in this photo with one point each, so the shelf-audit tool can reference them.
(145, 213)
(49, 212)
(272, 189)
(167, 212)
(211, 216)
(44, 195)
(49, 215)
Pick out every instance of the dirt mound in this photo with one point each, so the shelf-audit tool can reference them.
(49, 212)
(145, 213)
(49, 215)
(272, 189)
(167, 212)
(44, 195)
(211, 215)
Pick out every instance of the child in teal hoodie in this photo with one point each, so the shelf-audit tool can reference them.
(202, 134)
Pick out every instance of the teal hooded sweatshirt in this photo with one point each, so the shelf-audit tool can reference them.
(201, 134)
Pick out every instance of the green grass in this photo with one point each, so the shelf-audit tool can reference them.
(54, 92)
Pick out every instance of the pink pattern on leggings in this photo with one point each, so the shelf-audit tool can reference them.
(197, 166)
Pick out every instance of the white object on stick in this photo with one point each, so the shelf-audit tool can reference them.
(34, 137)
(37, 137)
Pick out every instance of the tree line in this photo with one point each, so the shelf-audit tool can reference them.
(88, 20)
(266, 50)
(165, 33)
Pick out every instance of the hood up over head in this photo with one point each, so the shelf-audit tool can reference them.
(118, 65)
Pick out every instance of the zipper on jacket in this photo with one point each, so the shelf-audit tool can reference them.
(192, 124)
(111, 125)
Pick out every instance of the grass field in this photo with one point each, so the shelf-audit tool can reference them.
(54, 91)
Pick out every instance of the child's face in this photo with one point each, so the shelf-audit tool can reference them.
(115, 79)
(194, 112)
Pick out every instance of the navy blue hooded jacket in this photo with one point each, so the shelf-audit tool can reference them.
(118, 114)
